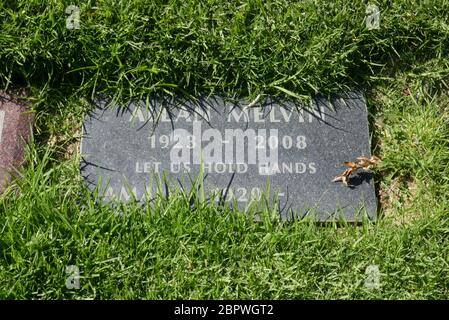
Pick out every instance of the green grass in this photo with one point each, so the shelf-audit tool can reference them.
(132, 48)
(176, 249)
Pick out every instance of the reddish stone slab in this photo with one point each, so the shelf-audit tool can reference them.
(15, 129)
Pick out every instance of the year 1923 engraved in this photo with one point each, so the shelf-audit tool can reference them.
(287, 142)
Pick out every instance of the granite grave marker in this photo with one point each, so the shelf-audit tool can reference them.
(299, 149)
(15, 130)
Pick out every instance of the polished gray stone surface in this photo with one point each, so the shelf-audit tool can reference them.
(128, 150)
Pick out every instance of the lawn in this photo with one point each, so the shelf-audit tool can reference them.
(182, 247)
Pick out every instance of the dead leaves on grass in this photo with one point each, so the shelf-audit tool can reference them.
(360, 163)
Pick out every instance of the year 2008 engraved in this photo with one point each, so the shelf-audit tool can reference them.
(260, 142)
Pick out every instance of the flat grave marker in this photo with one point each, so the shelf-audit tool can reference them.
(15, 131)
(297, 149)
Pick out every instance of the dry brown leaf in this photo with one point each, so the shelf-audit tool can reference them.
(351, 164)
(360, 163)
